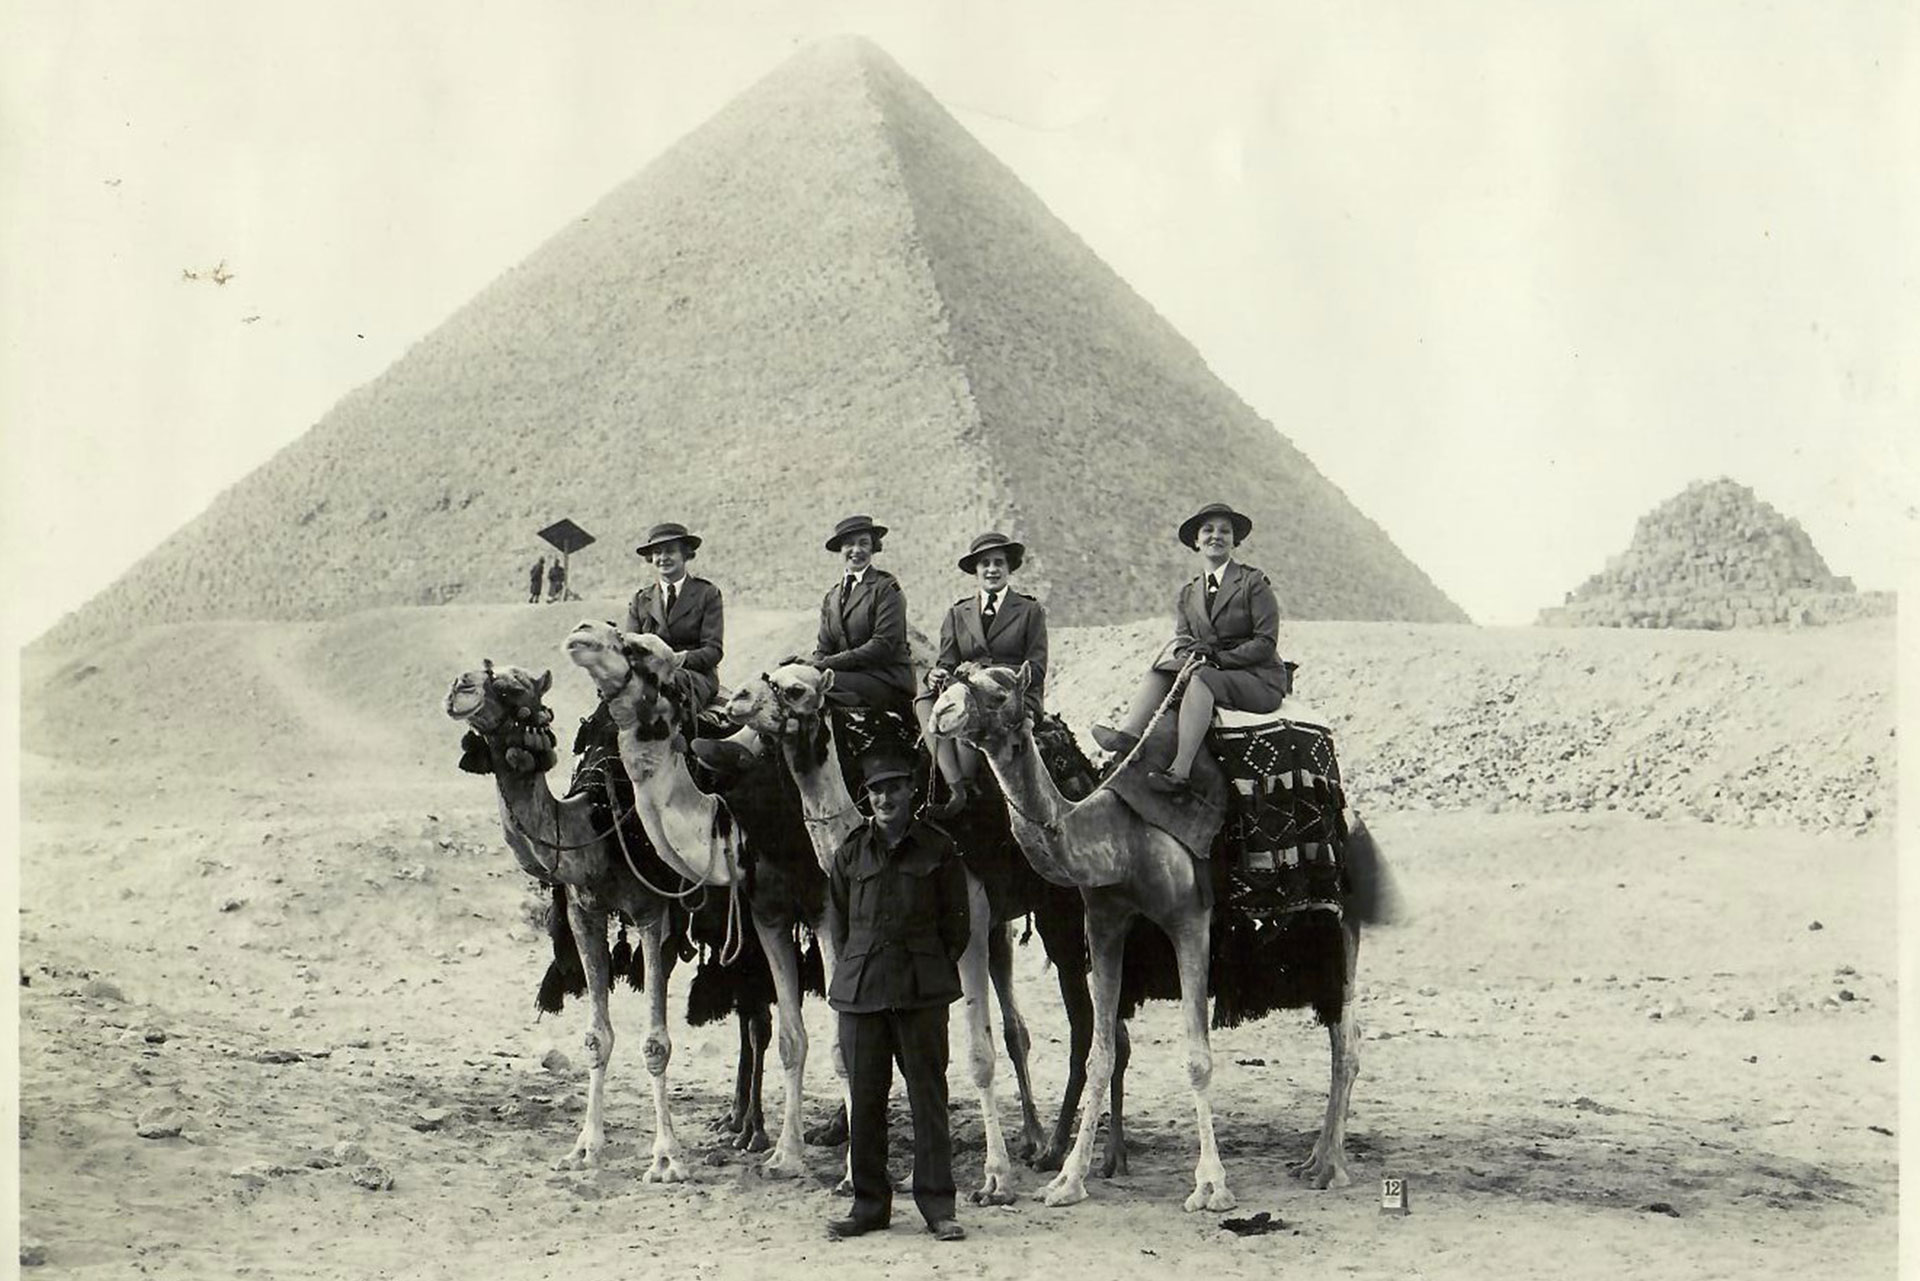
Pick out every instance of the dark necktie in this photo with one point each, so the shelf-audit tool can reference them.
(673, 590)
(846, 592)
(991, 608)
(1213, 589)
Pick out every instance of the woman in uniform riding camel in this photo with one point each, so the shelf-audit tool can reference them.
(1228, 619)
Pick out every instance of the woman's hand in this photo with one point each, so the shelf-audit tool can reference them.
(937, 678)
(1204, 652)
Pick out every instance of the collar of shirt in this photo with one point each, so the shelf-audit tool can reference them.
(853, 574)
(1213, 577)
(984, 601)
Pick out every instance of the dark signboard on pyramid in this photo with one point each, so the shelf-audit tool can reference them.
(829, 298)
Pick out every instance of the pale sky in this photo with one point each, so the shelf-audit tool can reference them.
(1511, 274)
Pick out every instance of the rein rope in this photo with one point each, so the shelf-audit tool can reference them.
(1173, 696)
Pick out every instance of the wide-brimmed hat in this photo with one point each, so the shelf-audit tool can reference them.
(671, 531)
(878, 766)
(854, 525)
(1190, 527)
(993, 542)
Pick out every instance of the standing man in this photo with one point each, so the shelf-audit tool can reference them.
(897, 906)
(680, 609)
(533, 580)
(556, 581)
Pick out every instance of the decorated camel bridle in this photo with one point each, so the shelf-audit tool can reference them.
(810, 727)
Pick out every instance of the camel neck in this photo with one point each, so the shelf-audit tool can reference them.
(824, 800)
(1036, 809)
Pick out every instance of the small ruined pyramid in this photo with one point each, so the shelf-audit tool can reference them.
(827, 299)
(1714, 557)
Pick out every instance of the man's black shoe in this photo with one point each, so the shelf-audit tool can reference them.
(840, 1229)
(947, 1230)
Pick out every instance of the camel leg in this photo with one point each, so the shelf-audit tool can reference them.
(757, 1027)
(1013, 1030)
(832, 1132)
(590, 938)
(1209, 1175)
(658, 1050)
(996, 1182)
(1065, 942)
(1115, 1165)
(789, 1150)
(1326, 1165)
(734, 1119)
(1106, 939)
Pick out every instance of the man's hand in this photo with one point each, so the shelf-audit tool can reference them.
(937, 678)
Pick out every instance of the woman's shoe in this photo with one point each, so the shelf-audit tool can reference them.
(1161, 780)
(1117, 741)
(957, 796)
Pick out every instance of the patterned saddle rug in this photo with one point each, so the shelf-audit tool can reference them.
(1286, 827)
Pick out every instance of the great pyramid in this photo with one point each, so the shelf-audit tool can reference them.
(1714, 556)
(829, 298)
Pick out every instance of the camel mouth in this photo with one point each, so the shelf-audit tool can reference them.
(464, 699)
(949, 715)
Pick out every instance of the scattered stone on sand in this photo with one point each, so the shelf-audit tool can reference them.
(347, 1152)
(154, 1035)
(232, 904)
(162, 1121)
(431, 1118)
(556, 1062)
(278, 1055)
(374, 1178)
(1846, 994)
(1815, 925)
(296, 1012)
(104, 990)
(1662, 1207)
(1746, 1014)
(32, 1253)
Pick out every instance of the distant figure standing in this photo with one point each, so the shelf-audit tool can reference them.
(556, 581)
(533, 580)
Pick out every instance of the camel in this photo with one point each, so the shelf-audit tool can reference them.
(557, 843)
(786, 707)
(1126, 868)
(697, 835)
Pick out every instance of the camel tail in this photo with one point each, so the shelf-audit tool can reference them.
(1375, 898)
(565, 976)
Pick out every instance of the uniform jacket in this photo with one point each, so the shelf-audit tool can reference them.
(1243, 626)
(899, 920)
(695, 628)
(868, 634)
(1018, 635)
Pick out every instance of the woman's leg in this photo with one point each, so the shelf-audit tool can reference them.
(1196, 715)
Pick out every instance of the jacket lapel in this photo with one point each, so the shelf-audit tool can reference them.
(1003, 618)
(970, 619)
(1199, 622)
(1232, 579)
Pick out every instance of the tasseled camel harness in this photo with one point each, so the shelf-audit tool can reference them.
(526, 744)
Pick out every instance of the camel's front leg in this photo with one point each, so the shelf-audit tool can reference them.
(590, 938)
(1106, 940)
(1013, 1030)
(1326, 1166)
(1209, 1176)
(658, 1049)
(788, 1160)
(996, 1182)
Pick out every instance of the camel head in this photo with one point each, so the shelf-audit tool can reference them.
(633, 673)
(778, 703)
(503, 707)
(983, 705)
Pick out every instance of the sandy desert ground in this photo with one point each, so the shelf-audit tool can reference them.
(1639, 1018)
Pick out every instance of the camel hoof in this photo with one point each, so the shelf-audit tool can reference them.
(1064, 1191)
(725, 1123)
(1317, 1172)
(754, 1140)
(844, 1187)
(585, 1154)
(665, 1169)
(1050, 1157)
(993, 1192)
(1209, 1197)
(1115, 1164)
(782, 1165)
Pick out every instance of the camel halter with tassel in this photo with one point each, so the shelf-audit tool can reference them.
(795, 722)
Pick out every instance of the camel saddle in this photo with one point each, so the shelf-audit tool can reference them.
(1286, 824)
